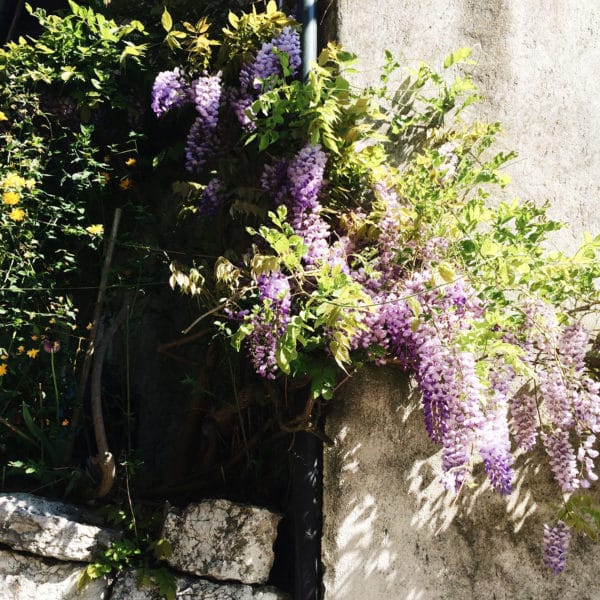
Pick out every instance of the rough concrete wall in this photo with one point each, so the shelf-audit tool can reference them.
(537, 66)
(391, 531)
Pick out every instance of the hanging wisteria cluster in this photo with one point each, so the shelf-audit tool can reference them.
(344, 281)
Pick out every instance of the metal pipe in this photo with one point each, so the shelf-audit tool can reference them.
(307, 484)
(307, 456)
(309, 35)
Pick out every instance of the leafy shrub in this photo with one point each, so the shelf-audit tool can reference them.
(60, 94)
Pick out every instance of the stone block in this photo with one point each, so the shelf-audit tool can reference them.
(222, 540)
(192, 588)
(25, 577)
(48, 528)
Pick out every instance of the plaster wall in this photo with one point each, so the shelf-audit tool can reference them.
(537, 67)
(390, 529)
(392, 532)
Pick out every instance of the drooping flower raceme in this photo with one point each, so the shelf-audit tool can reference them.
(305, 178)
(268, 62)
(556, 544)
(268, 322)
(201, 141)
(211, 199)
(170, 90)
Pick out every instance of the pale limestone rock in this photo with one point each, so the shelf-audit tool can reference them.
(48, 528)
(24, 577)
(191, 588)
(222, 540)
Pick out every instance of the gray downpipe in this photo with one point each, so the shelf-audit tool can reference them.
(307, 452)
(309, 35)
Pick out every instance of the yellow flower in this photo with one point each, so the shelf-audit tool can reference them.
(3, 117)
(3, 369)
(11, 198)
(21, 349)
(130, 162)
(16, 214)
(33, 352)
(125, 183)
(65, 422)
(35, 338)
(105, 177)
(95, 229)
(14, 180)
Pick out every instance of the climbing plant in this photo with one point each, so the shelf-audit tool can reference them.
(354, 226)
(332, 227)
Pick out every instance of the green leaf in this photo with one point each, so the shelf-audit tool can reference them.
(166, 20)
(458, 56)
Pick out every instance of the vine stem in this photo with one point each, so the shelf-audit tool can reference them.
(56, 398)
(87, 361)
(104, 461)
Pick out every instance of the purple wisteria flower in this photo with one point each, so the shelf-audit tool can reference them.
(556, 545)
(201, 141)
(562, 459)
(212, 197)
(494, 447)
(170, 90)
(305, 178)
(206, 94)
(267, 63)
(269, 322)
(241, 103)
(524, 411)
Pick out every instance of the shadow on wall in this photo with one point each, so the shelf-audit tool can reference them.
(392, 531)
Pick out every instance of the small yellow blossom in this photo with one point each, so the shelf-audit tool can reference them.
(35, 338)
(21, 349)
(11, 198)
(14, 180)
(125, 183)
(130, 162)
(95, 229)
(16, 214)
(3, 369)
(33, 352)
(3, 117)
(105, 177)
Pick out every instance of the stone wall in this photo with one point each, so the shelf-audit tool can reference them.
(220, 550)
(391, 531)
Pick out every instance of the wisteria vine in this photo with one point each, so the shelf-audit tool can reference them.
(380, 277)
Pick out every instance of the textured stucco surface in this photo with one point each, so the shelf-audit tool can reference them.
(391, 531)
(537, 66)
